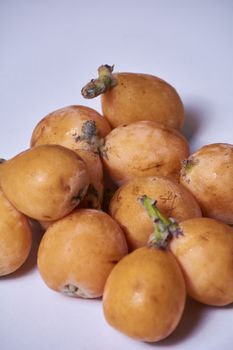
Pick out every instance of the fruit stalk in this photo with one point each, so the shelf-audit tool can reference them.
(103, 83)
(164, 228)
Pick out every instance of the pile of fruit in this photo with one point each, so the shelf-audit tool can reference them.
(129, 215)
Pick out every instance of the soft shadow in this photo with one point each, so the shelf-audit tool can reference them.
(226, 307)
(194, 117)
(190, 321)
(31, 261)
(79, 299)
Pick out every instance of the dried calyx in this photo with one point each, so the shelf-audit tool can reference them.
(103, 83)
(187, 166)
(90, 136)
(164, 228)
(74, 291)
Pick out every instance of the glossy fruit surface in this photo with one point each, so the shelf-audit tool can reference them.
(142, 149)
(208, 175)
(204, 251)
(144, 296)
(172, 199)
(15, 237)
(45, 182)
(142, 97)
(78, 252)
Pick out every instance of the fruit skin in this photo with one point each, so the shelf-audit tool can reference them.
(94, 197)
(142, 97)
(145, 294)
(208, 175)
(64, 127)
(15, 237)
(45, 182)
(172, 198)
(205, 254)
(78, 252)
(142, 149)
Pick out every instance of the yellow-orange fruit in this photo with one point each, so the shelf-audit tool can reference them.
(172, 199)
(145, 294)
(204, 251)
(78, 252)
(142, 149)
(65, 127)
(45, 182)
(142, 97)
(15, 237)
(208, 175)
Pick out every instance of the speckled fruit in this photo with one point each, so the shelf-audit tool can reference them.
(142, 149)
(65, 127)
(204, 251)
(208, 175)
(172, 199)
(78, 252)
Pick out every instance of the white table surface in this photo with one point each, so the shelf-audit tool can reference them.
(48, 51)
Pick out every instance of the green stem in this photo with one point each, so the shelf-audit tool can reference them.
(164, 228)
(103, 83)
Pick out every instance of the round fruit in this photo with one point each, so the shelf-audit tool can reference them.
(78, 252)
(208, 175)
(130, 97)
(172, 199)
(145, 294)
(205, 253)
(75, 127)
(142, 149)
(45, 182)
(81, 129)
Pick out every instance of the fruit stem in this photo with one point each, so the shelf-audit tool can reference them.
(164, 228)
(103, 83)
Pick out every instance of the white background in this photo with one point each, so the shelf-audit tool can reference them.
(48, 51)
